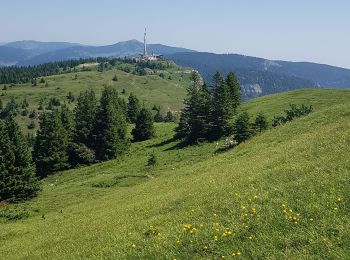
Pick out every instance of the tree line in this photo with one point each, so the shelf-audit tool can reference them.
(95, 131)
(26, 74)
(29, 74)
(211, 113)
(208, 112)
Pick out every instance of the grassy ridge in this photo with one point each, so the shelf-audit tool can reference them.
(282, 194)
(150, 89)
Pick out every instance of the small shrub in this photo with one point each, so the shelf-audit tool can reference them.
(80, 154)
(230, 142)
(152, 160)
(294, 111)
(31, 125)
(24, 112)
(14, 214)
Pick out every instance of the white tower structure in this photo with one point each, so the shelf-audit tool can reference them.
(145, 44)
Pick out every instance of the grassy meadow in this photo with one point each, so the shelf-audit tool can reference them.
(284, 194)
(168, 92)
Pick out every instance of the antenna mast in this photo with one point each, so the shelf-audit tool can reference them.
(145, 44)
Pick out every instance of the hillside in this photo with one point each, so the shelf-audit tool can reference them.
(168, 91)
(261, 76)
(281, 195)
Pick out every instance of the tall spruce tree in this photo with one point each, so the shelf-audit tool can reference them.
(67, 121)
(50, 148)
(144, 128)
(243, 128)
(194, 123)
(222, 110)
(234, 89)
(17, 173)
(85, 116)
(110, 127)
(133, 108)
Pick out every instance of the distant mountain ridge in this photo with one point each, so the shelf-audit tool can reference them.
(260, 76)
(257, 76)
(34, 52)
(36, 47)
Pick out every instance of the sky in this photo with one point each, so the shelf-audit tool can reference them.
(294, 30)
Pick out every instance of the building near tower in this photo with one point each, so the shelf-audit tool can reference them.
(146, 56)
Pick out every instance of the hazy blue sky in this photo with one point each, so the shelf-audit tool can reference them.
(298, 30)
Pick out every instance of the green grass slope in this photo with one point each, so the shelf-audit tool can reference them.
(168, 92)
(284, 194)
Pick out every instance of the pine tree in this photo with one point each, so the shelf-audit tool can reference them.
(67, 121)
(199, 120)
(41, 104)
(234, 90)
(158, 117)
(17, 174)
(50, 148)
(25, 103)
(10, 109)
(85, 116)
(243, 129)
(194, 123)
(260, 123)
(110, 127)
(221, 111)
(144, 128)
(169, 117)
(133, 108)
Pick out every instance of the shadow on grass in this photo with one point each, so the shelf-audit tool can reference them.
(165, 142)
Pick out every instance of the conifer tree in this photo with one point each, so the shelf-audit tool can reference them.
(17, 174)
(25, 103)
(221, 111)
(260, 123)
(67, 121)
(169, 117)
(158, 117)
(133, 108)
(243, 130)
(110, 127)
(144, 128)
(85, 116)
(10, 109)
(234, 90)
(194, 123)
(50, 148)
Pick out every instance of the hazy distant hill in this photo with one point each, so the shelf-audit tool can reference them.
(34, 52)
(322, 75)
(10, 56)
(261, 76)
(35, 47)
